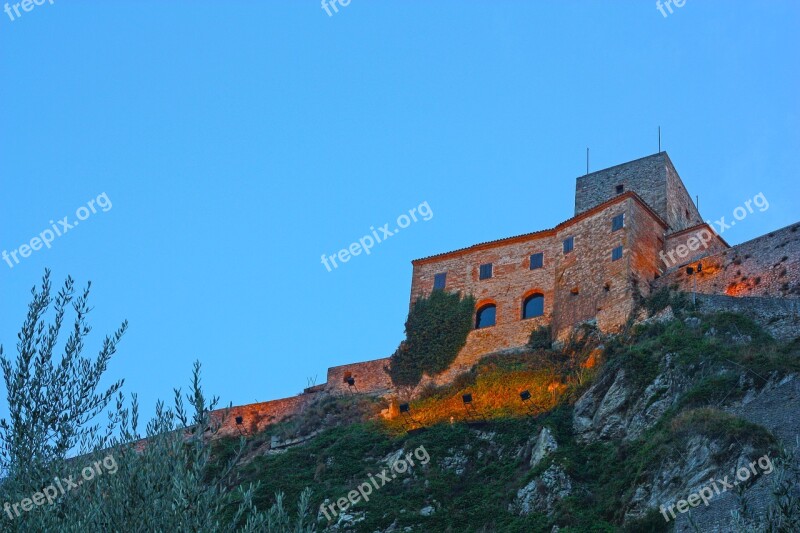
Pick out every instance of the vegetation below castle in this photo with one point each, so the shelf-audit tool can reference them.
(598, 444)
(475, 472)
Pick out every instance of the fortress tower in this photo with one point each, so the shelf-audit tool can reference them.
(653, 178)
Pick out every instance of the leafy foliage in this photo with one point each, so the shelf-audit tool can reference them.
(168, 482)
(436, 329)
(541, 338)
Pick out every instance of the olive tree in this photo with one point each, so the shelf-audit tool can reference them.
(62, 471)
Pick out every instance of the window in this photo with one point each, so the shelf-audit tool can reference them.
(569, 244)
(486, 271)
(620, 188)
(618, 222)
(533, 306)
(486, 316)
(537, 261)
(439, 280)
(616, 253)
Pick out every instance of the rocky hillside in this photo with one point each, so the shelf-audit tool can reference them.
(666, 414)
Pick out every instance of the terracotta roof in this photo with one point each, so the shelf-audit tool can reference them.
(550, 231)
(687, 230)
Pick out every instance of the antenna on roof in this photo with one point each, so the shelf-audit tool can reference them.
(587, 160)
(659, 139)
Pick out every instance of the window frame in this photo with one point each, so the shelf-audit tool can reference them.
(540, 256)
(483, 309)
(481, 271)
(616, 253)
(621, 218)
(529, 298)
(571, 240)
(437, 277)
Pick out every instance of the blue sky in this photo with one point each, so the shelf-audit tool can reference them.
(237, 142)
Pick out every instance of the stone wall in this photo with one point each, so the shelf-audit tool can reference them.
(645, 236)
(645, 176)
(779, 316)
(766, 266)
(255, 417)
(370, 377)
(653, 178)
(682, 212)
(689, 245)
(581, 285)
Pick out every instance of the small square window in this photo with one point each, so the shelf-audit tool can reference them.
(486, 271)
(618, 222)
(569, 244)
(616, 253)
(439, 280)
(620, 189)
(537, 261)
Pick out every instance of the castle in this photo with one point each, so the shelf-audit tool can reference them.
(635, 230)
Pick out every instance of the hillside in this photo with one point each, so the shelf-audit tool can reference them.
(615, 427)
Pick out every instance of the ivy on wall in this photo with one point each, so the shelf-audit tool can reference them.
(436, 329)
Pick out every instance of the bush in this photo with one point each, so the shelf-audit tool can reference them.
(541, 338)
(436, 329)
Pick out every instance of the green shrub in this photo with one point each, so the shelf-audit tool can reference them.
(541, 338)
(436, 329)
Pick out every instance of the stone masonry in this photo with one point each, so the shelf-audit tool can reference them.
(598, 279)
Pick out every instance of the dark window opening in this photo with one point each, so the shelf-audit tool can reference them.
(486, 316)
(618, 222)
(569, 244)
(439, 280)
(537, 261)
(616, 253)
(347, 377)
(486, 271)
(533, 306)
(620, 188)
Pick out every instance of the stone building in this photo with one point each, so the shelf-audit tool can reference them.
(635, 229)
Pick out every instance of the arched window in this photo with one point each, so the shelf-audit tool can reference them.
(533, 306)
(485, 316)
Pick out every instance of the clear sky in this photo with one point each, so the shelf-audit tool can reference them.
(236, 142)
